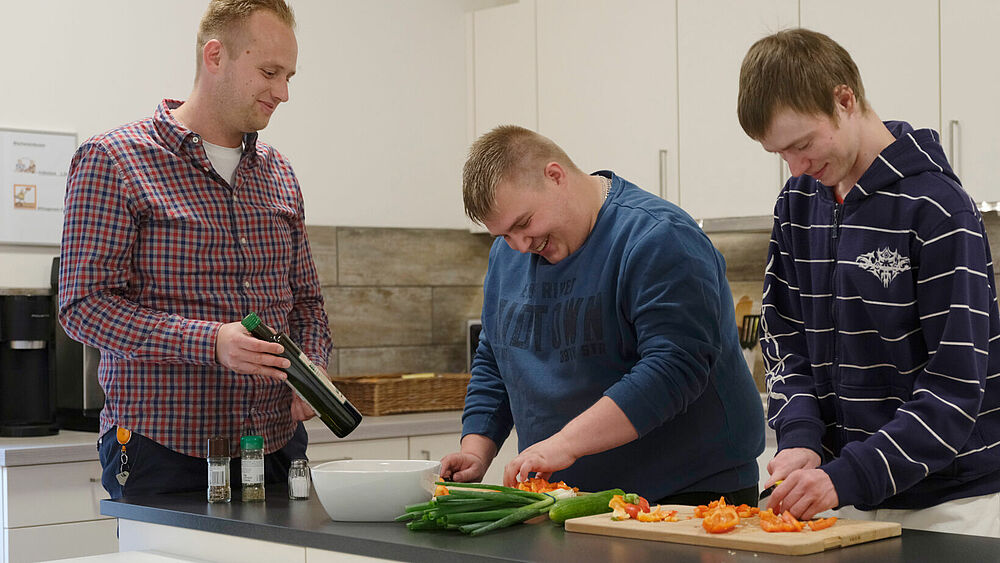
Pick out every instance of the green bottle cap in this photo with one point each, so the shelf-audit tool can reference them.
(252, 443)
(251, 321)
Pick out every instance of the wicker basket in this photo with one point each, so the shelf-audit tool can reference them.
(394, 393)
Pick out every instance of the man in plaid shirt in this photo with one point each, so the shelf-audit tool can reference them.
(176, 226)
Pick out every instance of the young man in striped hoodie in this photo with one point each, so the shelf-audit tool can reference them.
(880, 329)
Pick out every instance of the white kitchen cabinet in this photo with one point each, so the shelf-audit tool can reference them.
(970, 88)
(895, 46)
(385, 448)
(52, 511)
(61, 541)
(723, 172)
(53, 493)
(508, 451)
(436, 446)
(504, 61)
(607, 86)
(201, 545)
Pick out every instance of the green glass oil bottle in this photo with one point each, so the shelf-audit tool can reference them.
(312, 386)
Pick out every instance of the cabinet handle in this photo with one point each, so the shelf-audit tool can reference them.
(782, 169)
(955, 132)
(663, 177)
(94, 480)
(426, 454)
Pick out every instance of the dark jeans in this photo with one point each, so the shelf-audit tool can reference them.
(746, 496)
(154, 469)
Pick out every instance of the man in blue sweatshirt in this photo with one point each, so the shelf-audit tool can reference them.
(609, 336)
(880, 329)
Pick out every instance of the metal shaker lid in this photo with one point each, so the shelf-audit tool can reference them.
(218, 446)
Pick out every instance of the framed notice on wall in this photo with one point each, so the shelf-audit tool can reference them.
(33, 169)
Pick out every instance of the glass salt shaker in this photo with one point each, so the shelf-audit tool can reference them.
(298, 479)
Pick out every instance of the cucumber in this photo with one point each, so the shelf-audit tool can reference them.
(584, 505)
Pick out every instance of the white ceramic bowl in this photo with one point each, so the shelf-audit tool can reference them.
(372, 490)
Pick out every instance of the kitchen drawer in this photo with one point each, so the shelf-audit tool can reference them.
(508, 451)
(386, 448)
(434, 446)
(200, 545)
(52, 493)
(60, 541)
(314, 555)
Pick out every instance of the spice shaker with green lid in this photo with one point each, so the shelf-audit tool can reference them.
(252, 468)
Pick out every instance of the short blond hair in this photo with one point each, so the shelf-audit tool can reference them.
(508, 152)
(796, 69)
(224, 18)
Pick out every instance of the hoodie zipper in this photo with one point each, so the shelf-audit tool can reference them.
(834, 240)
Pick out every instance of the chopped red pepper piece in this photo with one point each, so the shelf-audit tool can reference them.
(722, 519)
(821, 523)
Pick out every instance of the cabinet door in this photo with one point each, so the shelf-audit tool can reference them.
(386, 448)
(607, 90)
(61, 541)
(895, 46)
(969, 93)
(53, 493)
(508, 451)
(723, 173)
(434, 446)
(504, 55)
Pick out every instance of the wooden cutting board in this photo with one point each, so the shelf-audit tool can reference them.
(747, 536)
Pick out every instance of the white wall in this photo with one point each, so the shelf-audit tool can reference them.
(376, 125)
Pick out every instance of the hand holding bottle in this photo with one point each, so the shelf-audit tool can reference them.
(236, 349)
(309, 381)
(300, 409)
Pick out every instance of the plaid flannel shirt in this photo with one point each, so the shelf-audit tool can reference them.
(158, 251)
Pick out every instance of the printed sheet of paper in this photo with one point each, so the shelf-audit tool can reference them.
(33, 169)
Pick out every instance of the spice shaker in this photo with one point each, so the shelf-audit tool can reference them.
(298, 479)
(218, 469)
(252, 468)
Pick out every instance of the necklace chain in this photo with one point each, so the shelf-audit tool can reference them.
(607, 186)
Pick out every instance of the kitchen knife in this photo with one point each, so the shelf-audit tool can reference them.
(767, 492)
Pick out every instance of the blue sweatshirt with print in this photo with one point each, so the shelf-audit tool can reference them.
(881, 333)
(641, 313)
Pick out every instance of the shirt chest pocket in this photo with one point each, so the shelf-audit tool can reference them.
(186, 219)
(270, 235)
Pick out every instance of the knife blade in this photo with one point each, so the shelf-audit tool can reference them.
(767, 492)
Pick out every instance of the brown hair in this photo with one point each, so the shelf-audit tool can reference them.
(508, 152)
(225, 17)
(796, 69)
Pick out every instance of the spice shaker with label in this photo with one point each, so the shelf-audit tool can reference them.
(252, 468)
(298, 479)
(218, 469)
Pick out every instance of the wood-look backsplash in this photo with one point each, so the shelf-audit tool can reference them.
(398, 299)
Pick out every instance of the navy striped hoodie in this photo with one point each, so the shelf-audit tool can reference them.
(881, 334)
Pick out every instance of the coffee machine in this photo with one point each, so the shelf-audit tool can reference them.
(27, 363)
(79, 397)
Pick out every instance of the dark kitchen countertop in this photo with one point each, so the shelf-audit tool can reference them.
(306, 524)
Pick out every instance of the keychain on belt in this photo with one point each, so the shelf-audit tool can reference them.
(123, 435)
